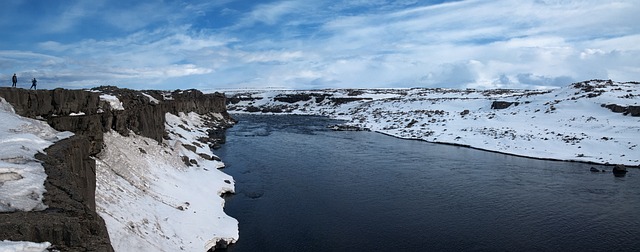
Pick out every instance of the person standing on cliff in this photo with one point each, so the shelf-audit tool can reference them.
(33, 84)
(14, 80)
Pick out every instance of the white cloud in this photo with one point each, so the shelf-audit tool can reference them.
(473, 43)
(271, 13)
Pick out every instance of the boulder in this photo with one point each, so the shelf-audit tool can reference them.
(633, 110)
(619, 170)
(615, 108)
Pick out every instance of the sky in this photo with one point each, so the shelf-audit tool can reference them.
(314, 44)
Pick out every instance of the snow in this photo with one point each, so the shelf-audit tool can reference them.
(152, 201)
(23, 246)
(113, 101)
(151, 99)
(562, 124)
(77, 114)
(21, 175)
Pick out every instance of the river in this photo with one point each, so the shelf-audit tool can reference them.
(302, 187)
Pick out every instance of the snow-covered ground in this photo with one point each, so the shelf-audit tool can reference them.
(569, 123)
(21, 174)
(152, 200)
(20, 246)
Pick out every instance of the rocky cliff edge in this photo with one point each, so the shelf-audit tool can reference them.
(70, 222)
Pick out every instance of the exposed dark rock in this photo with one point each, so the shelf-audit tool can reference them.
(344, 127)
(502, 104)
(237, 98)
(410, 124)
(189, 147)
(87, 125)
(252, 109)
(49, 103)
(633, 110)
(147, 119)
(208, 157)
(71, 222)
(355, 92)
(627, 110)
(221, 244)
(321, 97)
(185, 159)
(619, 170)
(343, 100)
(292, 98)
(615, 108)
(593, 169)
(273, 109)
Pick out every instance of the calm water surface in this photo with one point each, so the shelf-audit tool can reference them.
(301, 187)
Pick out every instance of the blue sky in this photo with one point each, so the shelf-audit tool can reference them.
(306, 44)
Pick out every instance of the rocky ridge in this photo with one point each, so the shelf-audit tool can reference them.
(70, 222)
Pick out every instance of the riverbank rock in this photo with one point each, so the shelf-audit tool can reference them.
(619, 170)
(344, 127)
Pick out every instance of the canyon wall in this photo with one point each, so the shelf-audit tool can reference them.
(70, 222)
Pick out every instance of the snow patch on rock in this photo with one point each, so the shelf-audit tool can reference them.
(21, 175)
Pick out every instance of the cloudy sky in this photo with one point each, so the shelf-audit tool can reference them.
(303, 44)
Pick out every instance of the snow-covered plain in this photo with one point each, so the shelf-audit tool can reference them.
(568, 123)
(152, 201)
(21, 174)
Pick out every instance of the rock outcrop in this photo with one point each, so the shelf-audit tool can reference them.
(502, 104)
(626, 110)
(70, 222)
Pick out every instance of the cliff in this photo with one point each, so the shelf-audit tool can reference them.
(70, 222)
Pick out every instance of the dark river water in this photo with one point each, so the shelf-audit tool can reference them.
(302, 187)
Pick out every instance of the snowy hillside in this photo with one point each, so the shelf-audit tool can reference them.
(164, 197)
(594, 121)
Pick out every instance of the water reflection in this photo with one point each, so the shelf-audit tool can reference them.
(301, 187)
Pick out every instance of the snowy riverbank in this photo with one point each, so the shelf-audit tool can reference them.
(593, 121)
(151, 200)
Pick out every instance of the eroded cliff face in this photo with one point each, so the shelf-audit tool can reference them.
(70, 222)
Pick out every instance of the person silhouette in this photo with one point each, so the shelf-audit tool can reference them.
(33, 84)
(14, 80)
